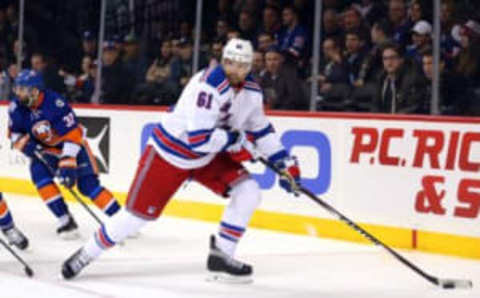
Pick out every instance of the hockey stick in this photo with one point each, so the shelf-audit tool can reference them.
(28, 270)
(441, 282)
(40, 157)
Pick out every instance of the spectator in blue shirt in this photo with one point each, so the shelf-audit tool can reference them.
(293, 39)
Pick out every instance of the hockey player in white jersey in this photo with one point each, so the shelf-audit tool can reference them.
(214, 127)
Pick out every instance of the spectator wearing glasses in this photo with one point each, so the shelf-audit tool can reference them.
(399, 89)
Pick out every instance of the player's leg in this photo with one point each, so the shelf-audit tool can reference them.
(89, 184)
(14, 235)
(50, 194)
(228, 178)
(154, 184)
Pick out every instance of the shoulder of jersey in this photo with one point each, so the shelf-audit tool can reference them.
(53, 104)
(215, 77)
(252, 85)
(54, 101)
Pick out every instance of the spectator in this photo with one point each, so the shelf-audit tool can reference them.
(83, 85)
(399, 88)
(222, 29)
(215, 55)
(185, 30)
(373, 64)
(271, 21)
(25, 53)
(422, 41)
(449, 45)
(331, 27)
(468, 59)
(50, 73)
(355, 53)
(281, 87)
(258, 65)
(352, 21)
(224, 8)
(293, 38)
(181, 69)
(364, 92)
(7, 79)
(135, 63)
(89, 44)
(247, 26)
(265, 41)
(453, 93)
(157, 89)
(468, 62)
(5, 35)
(116, 84)
(418, 12)
(333, 80)
(397, 13)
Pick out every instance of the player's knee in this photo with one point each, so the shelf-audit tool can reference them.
(88, 185)
(247, 191)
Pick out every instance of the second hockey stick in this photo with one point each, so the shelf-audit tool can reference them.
(441, 282)
(40, 157)
(28, 270)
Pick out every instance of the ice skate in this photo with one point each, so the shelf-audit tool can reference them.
(226, 269)
(16, 238)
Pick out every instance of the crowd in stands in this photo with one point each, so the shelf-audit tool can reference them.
(376, 56)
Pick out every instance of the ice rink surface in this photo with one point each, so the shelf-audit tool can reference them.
(168, 260)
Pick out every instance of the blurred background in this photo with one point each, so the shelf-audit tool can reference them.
(392, 56)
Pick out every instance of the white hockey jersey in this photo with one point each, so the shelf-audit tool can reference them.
(208, 110)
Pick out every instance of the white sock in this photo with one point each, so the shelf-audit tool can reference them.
(114, 230)
(245, 197)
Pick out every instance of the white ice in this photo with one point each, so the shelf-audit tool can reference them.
(168, 260)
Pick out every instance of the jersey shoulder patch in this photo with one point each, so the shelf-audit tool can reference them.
(215, 77)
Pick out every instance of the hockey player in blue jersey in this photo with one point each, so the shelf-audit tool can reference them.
(41, 121)
(14, 236)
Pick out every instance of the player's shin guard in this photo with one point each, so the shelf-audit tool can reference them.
(245, 197)
(6, 220)
(53, 199)
(105, 201)
(115, 230)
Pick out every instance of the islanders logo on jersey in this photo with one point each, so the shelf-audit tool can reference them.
(42, 130)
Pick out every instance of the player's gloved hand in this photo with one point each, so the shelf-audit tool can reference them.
(28, 146)
(67, 171)
(242, 149)
(237, 139)
(290, 178)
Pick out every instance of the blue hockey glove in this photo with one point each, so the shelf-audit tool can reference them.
(67, 171)
(288, 165)
(27, 146)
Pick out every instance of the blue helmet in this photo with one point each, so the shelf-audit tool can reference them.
(30, 78)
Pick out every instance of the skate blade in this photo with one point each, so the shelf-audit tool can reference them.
(72, 235)
(226, 278)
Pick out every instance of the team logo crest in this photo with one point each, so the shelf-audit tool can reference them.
(42, 130)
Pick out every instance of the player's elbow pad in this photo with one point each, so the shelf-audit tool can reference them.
(70, 149)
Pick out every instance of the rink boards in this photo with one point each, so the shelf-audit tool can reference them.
(412, 181)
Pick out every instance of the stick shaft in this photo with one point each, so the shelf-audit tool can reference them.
(2, 242)
(356, 227)
(72, 192)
